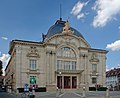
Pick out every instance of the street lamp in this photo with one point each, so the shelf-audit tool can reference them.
(96, 80)
(60, 81)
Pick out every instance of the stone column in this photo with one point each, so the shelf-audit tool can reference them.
(62, 82)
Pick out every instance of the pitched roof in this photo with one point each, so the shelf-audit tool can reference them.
(113, 72)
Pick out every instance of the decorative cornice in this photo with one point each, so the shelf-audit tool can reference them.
(22, 42)
(96, 74)
(97, 50)
(33, 55)
(83, 48)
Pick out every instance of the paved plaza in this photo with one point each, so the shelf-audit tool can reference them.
(98, 94)
(75, 94)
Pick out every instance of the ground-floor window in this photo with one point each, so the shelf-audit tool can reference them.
(94, 80)
(66, 82)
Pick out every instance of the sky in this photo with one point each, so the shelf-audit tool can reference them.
(97, 20)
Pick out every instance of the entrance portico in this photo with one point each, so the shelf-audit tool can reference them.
(67, 82)
(68, 79)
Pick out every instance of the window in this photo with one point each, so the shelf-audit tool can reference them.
(94, 67)
(94, 80)
(66, 59)
(59, 64)
(73, 65)
(32, 79)
(66, 52)
(67, 65)
(33, 64)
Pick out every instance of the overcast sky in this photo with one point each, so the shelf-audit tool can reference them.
(97, 20)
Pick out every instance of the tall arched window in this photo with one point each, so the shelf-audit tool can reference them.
(66, 59)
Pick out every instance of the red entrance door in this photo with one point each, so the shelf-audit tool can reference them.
(66, 81)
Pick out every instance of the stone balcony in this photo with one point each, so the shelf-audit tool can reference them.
(69, 71)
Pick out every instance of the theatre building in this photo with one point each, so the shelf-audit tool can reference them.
(63, 59)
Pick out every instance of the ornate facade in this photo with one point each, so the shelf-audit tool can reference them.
(64, 59)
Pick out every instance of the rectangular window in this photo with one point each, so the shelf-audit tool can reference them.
(59, 64)
(94, 67)
(66, 65)
(73, 65)
(33, 64)
(94, 80)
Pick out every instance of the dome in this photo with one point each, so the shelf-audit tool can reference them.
(57, 28)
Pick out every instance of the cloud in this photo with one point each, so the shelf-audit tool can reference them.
(80, 15)
(118, 65)
(115, 46)
(119, 27)
(5, 58)
(5, 38)
(108, 68)
(76, 10)
(106, 11)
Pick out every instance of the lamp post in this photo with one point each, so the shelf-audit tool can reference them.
(96, 80)
(60, 81)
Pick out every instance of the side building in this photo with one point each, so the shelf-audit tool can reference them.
(113, 79)
(64, 59)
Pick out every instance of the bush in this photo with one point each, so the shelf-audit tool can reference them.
(92, 89)
(98, 89)
(102, 88)
(21, 90)
(39, 89)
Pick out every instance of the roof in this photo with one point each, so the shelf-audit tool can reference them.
(113, 72)
(58, 27)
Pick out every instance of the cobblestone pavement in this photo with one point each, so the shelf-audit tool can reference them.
(75, 94)
(62, 95)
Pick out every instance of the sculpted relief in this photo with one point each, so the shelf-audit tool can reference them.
(33, 52)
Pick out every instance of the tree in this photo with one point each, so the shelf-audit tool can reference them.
(1, 72)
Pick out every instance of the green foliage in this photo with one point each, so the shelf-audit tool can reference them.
(102, 88)
(98, 89)
(92, 89)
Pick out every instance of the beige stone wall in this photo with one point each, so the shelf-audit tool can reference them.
(45, 55)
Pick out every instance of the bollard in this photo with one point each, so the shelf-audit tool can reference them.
(107, 93)
(57, 93)
(83, 94)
